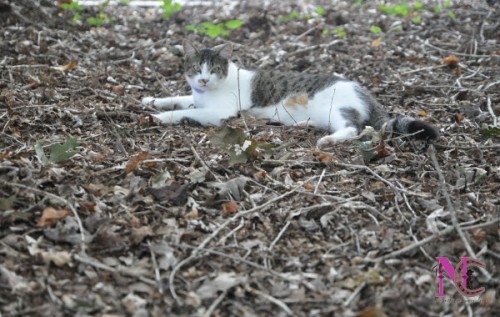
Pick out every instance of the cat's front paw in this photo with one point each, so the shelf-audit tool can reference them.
(148, 101)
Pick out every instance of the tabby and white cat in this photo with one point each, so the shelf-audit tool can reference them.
(220, 89)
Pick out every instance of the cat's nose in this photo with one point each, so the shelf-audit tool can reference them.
(203, 81)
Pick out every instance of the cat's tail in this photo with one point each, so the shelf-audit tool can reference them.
(411, 126)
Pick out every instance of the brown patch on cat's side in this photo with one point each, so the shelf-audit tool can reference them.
(295, 101)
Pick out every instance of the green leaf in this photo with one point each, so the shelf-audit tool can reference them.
(320, 11)
(39, 152)
(417, 20)
(190, 27)
(234, 24)
(418, 5)
(59, 153)
(447, 4)
(375, 29)
(491, 132)
(340, 32)
(452, 15)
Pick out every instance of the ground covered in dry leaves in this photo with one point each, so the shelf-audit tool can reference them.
(105, 212)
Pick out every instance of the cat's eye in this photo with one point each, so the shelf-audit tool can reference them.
(196, 68)
(215, 69)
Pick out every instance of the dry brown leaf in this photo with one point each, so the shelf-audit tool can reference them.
(135, 161)
(175, 193)
(118, 89)
(71, 65)
(230, 207)
(459, 117)
(260, 176)
(323, 156)
(451, 60)
(377, 186)
(377, 42)
(308, 186)
(479, 235)
(372, 312)
(51, 215)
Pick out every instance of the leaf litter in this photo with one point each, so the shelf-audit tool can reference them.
(104, 212)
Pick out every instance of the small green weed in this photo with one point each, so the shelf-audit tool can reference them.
(340, 32)
(169, 8)
(375, 29)
(215, 30)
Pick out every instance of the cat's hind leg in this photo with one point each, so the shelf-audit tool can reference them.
(169, 103)
(341, 135)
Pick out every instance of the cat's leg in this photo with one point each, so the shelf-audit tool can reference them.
(202, 116)
(170, 103)
(306, 123)
(341, 135)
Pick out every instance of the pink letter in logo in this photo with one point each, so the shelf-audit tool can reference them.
(458, 275)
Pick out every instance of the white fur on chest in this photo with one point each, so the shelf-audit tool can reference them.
(230, 95)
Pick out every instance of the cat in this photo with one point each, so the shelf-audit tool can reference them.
(220, 89)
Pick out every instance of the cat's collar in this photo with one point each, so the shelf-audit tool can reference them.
(198, 90)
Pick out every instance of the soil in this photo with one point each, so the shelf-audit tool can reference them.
(105, 212)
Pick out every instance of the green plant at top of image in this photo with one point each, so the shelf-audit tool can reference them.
(215, 30)
(73, 7)
(402, 8)
(169, 8)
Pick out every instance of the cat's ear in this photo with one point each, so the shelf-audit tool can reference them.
(189, 49)
(224, 50)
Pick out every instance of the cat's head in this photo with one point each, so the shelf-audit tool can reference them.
(206, 68)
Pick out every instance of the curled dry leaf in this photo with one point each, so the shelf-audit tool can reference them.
(175, 193)
(451, 60)
(135, 161)
(323, 156)
(51, 216)
(69, 66)
(230, 207)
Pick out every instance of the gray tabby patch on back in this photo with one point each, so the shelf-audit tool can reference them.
(271, 87)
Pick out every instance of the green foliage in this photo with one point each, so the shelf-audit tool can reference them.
(452, 15)
(491, 132)
(74, 8)
(320, 11)
(417, 19)
(292, 16)
(402, 9)
(58, 152)
(215, 30)
(375, 29)
(125, 2)
(238, 145)
(340, 32)
(77, 9)
(169, 8)
(437, 9)
(99, 20)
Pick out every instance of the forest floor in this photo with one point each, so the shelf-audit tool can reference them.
(105, 212)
